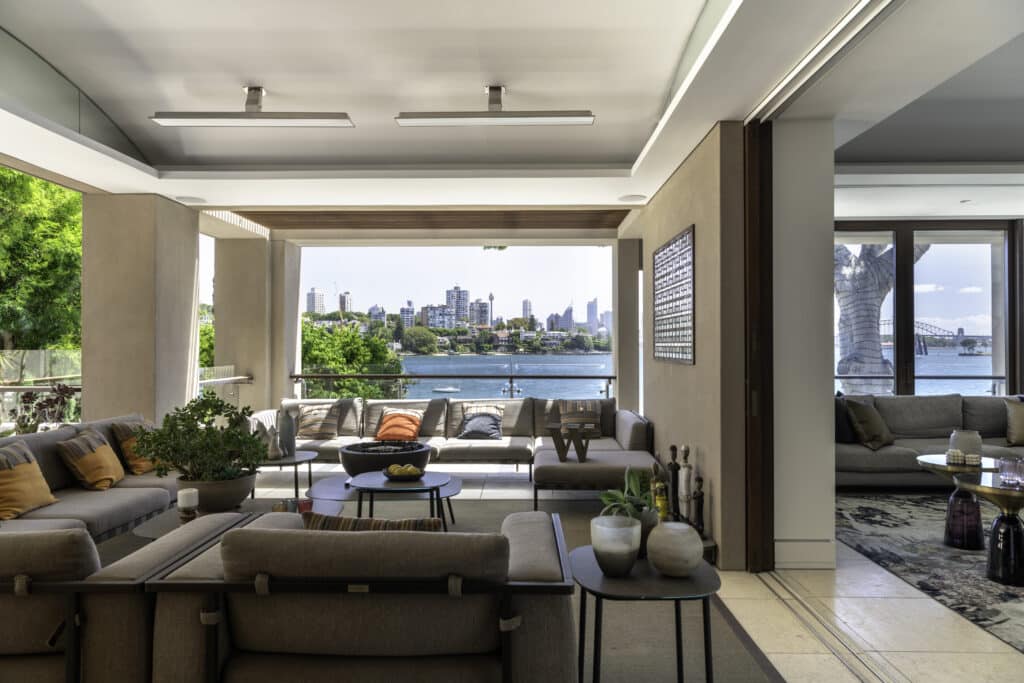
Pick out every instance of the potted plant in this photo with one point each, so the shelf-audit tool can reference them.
(209, 443)
(635, 500)
(38, 410)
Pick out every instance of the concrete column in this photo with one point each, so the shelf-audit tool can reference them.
(626, 266)
(242, 305)
(803, 213)
(285, 326)
(140, 288)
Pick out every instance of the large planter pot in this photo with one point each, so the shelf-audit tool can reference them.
(675, 549)
(616, 542)
(374, 456)
(220, 496)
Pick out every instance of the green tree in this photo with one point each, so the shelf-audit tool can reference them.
(40, 263)
(419, 340)
(579, 342)
(206, 340)
(398, 334)
(342, 350)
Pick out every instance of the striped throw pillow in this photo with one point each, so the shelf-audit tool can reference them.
(399, 424)
(22, 486)
(124, 432)
(91, 459)
(317, 522)
(319, 422)
(581, 412)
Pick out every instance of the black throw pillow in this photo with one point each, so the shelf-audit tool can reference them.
(844, 428)
(869, 425)
(481, 426)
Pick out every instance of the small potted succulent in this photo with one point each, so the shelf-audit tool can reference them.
(209, 443)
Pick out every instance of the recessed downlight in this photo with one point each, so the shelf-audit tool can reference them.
(633, 198)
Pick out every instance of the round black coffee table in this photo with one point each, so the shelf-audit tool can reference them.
(373, 456)
(430, 483)
(643, 583)
(341, 489)
(1006, 537)
(963, 513)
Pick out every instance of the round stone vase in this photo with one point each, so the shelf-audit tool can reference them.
(967, 441)
(616, 542)
(674, 549)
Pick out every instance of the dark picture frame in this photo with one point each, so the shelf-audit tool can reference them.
(673, 315)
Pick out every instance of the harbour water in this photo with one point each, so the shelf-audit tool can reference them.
(948, 361)
(501, 367)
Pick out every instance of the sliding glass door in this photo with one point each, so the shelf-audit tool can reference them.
(924, 308)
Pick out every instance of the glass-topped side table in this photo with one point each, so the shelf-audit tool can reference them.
(963, 513)
(643, 583)
(1006, 538)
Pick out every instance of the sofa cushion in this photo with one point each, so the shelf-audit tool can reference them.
(547, 443)
(869, 425)
(22, 486)
(506, 449)
(601, 470)
(106, 427)
(985, 414)
(581, 412)
(41, 524)
(317, 522)
(996, 447)
(481, 426)
(329, 449)
(399, 424)
(924, 446)
(533, 553)
(92, 460)
(150, 480)
(434, 412)
(318, 421)
(105, 513)
(51, 555)
(125, 439)
(844, 426)
(516, 419)
(44, 446)
(921, 416)
(857, 458)
(545, 412)
(1014, 422)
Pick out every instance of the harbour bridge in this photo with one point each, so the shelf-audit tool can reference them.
(923, 331)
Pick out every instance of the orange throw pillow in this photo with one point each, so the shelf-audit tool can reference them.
(399, 425)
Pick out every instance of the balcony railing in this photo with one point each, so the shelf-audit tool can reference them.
(506, 385)
(938, 384)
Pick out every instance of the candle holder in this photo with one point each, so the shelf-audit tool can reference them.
(188, 505)
(186, 515)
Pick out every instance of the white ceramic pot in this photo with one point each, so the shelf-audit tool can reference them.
(616, 542)
(674, 549)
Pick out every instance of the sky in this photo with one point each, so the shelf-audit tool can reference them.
(552, 277)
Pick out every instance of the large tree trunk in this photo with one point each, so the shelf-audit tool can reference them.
(861, 284)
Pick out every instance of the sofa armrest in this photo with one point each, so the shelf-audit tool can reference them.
(632, 431)
(534, 552)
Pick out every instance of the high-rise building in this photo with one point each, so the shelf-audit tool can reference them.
(527, 308)
(315, 301)
(457, 299)
(490, 309)
(377, 313)
(593, 321)
(606, 321)
(480, 313)
(437, 316)
(345, 302)
(407, 314)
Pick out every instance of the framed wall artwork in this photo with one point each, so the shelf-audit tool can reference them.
(673, 299)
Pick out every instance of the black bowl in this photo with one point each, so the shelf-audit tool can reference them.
(374, 456)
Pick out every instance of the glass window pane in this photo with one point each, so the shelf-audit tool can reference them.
(960, 312)
(865, 272)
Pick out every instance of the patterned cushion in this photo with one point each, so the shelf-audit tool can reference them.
(399, 424)
(581, 412)
(318, 522)
(91, 459)
(124, 432)
(22, 486)
(318, 421)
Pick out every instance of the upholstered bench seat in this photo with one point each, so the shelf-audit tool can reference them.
(105, 513)
(149, 480)
(506, 449)
(603, 469)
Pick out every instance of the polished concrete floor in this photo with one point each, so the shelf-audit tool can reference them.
(856, 623)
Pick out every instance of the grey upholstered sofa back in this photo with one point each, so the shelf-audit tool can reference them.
(921, 416)
(517, 416)
(435, 411)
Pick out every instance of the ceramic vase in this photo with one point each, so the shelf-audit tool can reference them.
(616, 542)
(675, 549)
(649, 519)
(967, 441)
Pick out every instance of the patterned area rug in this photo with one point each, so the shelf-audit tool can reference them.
(903, 533)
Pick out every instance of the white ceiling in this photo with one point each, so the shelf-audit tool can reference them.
(372, 60)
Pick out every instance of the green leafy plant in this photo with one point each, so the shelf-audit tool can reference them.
(57, 405)
(634, 497)
(208, 439)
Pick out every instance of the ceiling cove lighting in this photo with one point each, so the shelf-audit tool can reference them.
(253, 116)
(495, 115)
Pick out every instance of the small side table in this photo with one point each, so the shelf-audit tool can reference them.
(299, 458)
(643, 583)
(963, 514)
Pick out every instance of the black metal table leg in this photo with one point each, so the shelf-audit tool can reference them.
(296, 470)
(450, 511)
(371, 504)
(583, 633)
(679, 641)
(440, 508)
(309, 473)
(598, 605)
(709, 670)
(359, 509)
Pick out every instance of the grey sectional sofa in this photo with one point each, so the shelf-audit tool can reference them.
(103, 514)
(921, 425)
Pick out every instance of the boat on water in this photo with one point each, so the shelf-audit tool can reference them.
(447, 390)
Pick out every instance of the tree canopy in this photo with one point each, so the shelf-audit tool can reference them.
(40, 263)
(343, 350)
(419, 340)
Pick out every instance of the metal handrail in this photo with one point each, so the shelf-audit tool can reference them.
(510, 378)
(43, 379)
(237, 379)
(24, 389)
(922, 377)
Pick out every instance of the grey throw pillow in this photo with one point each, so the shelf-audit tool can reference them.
(869, 426)
(481, 426)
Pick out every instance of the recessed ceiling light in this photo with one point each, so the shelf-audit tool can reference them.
(496, 116)
(253, 116)
(633, 198)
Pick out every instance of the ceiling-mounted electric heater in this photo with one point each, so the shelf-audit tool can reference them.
(496, 115)
(253, 116)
